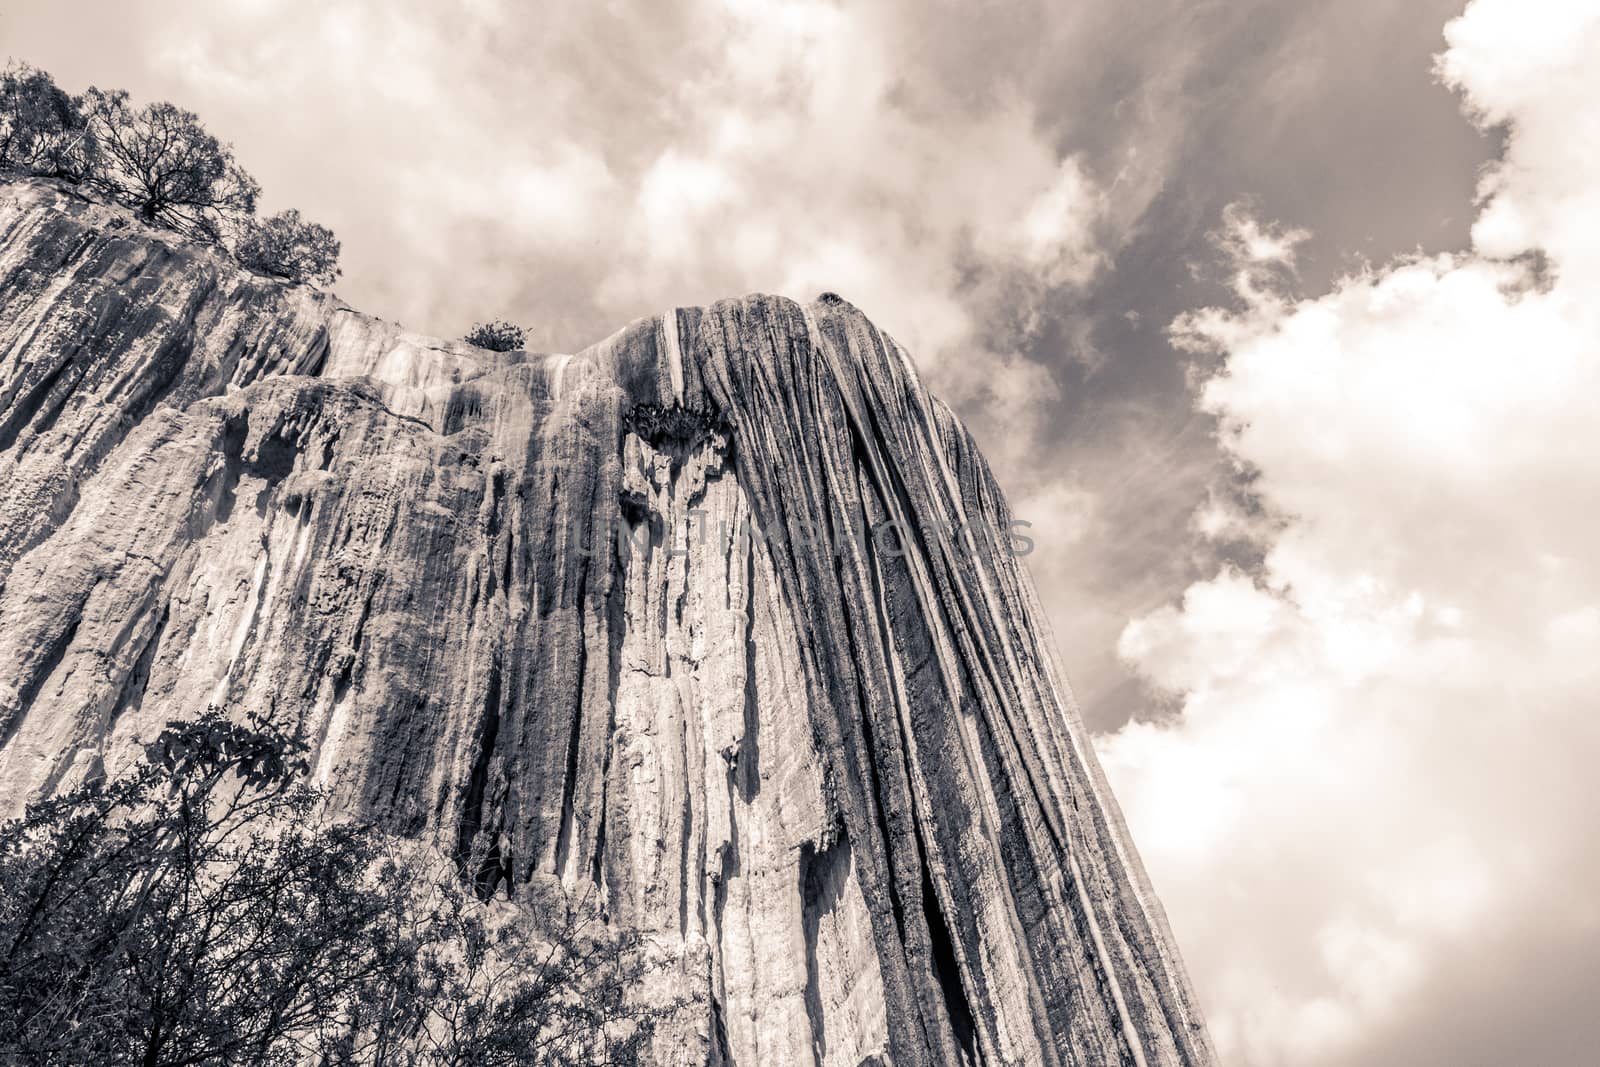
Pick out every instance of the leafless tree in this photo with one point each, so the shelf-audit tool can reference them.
(159, 161)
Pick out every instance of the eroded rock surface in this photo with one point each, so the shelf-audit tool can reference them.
(717, 619)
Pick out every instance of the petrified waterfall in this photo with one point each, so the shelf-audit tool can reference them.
(719, 618)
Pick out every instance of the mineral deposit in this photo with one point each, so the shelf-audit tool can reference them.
(719, 620)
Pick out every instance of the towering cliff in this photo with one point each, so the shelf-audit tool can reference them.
(718, 618)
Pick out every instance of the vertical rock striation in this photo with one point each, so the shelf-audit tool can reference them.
(717, 619)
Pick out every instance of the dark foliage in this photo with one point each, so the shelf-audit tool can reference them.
(287, 246)
(480, 984)
(200, 909)
(42, 130)
(674, 425)
(496, 336)
(159, 161)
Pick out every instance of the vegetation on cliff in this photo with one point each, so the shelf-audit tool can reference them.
(290, 247)
(496, 336)
(159, 161)
(201, 908)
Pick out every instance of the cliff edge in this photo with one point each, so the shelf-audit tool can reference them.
(718, 617)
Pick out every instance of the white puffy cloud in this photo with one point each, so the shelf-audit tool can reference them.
(1380, 782)
(818, 156)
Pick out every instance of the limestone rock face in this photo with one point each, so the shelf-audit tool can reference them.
(718, 619)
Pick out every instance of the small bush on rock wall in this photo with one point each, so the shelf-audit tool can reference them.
(497, 336)
(287, 246)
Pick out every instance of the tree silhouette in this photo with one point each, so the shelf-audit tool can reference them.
(159, 161)
(42, 129)
(202, 909)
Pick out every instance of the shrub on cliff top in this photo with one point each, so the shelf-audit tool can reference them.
(497, 336)
(287, 246)
(159, 161)
(42, 130)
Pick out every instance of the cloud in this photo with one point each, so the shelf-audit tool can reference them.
(1381, 778)
(603, 162)
(606, 161)
(1254, 244)
(1056, 236)
(969, 174)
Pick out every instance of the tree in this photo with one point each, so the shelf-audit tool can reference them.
(480, 982)
(42, 131)
(202, 908)
(496, 336)
(185, 913)
(159, 161)
(288, 247)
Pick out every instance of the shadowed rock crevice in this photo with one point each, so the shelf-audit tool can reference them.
(747, 759)
(132, 695)
(945, 966)
(32, 403)
(822, 878)
(472, 854)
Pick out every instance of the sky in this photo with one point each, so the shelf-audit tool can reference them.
(1269, 314)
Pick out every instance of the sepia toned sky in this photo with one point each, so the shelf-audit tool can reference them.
(1275, 317)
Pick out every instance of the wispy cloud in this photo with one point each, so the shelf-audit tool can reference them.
(1014, 192)
(603, 162)
(1382, 774)
(633, 156)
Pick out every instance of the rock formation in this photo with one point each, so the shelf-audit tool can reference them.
(718, 617)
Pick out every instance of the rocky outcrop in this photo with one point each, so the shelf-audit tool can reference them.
(717, 619)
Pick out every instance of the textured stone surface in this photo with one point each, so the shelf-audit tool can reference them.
(836, 778)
